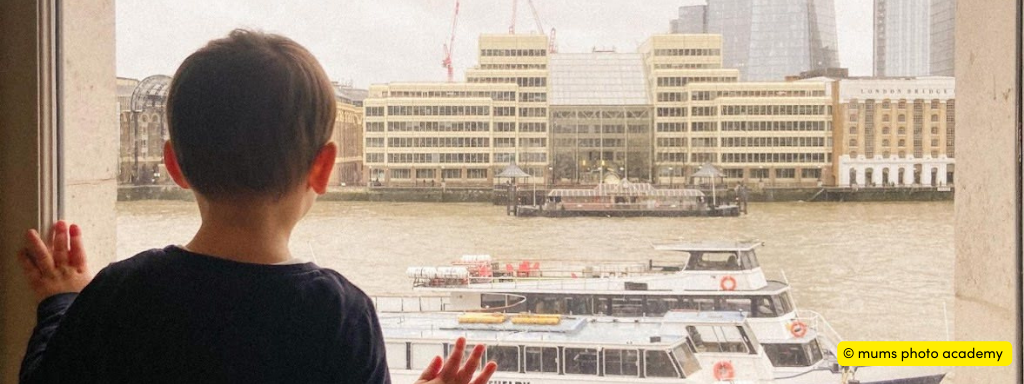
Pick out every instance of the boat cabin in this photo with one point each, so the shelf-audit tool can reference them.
(537, 346)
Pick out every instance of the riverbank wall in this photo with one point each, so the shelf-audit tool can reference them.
(527, 195)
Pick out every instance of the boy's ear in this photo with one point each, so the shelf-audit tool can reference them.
(173, 169)
(323, 165)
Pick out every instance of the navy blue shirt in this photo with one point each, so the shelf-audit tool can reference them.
(169, 315)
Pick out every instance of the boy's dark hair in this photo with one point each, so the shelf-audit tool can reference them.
(248, 114)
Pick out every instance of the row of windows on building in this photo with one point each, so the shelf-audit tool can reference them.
(688, 52)
(600, 129)
(429, 126)
(405, 173)
(686, 66)
(510, 66)
(902, 118)
(439, 110)
(493, 95)
(900, 104)
(430, 158)
(799, 157)
(521, 81)
(430, 142)
(681, 157)
(513, 52)
(901, 130)
(770, 110)
(564, 143)
(681, 81)
(900, 143)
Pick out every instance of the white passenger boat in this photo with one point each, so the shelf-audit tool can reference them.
(541, 349)
(709, 277)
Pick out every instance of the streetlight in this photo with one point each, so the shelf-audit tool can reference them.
(671, 173)
(551, 171)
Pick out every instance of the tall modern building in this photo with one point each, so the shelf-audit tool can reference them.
(914, 37)
(902, 37)
(943, 25)
(693, 18)
(768, 40)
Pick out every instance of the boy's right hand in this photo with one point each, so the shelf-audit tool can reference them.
(56, 265)
(451, 374)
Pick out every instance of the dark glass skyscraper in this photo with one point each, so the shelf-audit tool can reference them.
(772, 39)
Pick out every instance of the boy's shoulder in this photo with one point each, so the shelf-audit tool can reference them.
(170, 264)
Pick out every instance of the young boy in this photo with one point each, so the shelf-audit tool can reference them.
(250, 119)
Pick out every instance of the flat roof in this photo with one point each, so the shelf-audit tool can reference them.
(589, 330)
(709, 246)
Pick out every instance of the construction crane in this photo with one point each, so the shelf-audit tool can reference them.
(552, 47)
(447, 62)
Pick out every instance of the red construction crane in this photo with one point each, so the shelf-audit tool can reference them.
(552, 47)
(447, 62)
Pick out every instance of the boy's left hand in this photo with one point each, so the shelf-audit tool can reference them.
(56, 265)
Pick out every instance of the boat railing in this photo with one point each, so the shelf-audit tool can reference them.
(817, 322)
(523, 282)
(411, 303)
(661, 206)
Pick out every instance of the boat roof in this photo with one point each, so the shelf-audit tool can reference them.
(709, 246)
(625, 189)
(572, 330)
(598, 286)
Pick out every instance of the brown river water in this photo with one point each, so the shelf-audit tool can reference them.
(876, 271)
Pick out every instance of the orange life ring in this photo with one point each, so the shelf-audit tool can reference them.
(798, 328)
(728, 283)
(723, 370)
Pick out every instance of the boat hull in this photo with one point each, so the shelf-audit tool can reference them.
(729, 211)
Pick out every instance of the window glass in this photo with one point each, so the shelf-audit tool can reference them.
(423, 353)
(396, 353)
(581, 361)
(507, 357)
(621, 362)
(541, 359)
(659, 364)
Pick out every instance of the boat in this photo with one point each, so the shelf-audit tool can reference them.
(541, 349)
(628, 199)
(711, 276)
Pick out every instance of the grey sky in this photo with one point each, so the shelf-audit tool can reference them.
(378, 41)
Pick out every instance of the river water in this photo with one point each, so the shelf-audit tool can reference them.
(876, 271)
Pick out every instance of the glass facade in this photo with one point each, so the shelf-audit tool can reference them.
(692, 19)
(771, 39)
(943, 28)
(902, 37)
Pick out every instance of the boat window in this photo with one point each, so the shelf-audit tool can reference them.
(749, 260)
(787, 355)
(715, 261)
(581, 361)
(783, 303)
(423, 353)
(507, 357)
(627, 306)
(814, 351)
(659, 364)
(697, 303)
(717, 339)
(579, 305)
(684, 354)
(546, 304)
(488, 300)
(763, 307)
(601, 306)
(657, 306)
(621, 362)
(396, 355)
(541, 359)
(737, 304)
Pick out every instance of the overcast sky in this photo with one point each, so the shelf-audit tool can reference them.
(378, 41)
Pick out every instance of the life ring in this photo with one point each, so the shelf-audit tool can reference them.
(728, 283)
(723, 370)
(798, 328)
